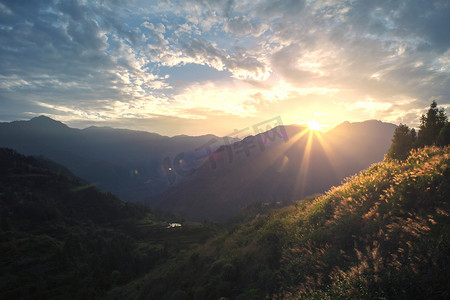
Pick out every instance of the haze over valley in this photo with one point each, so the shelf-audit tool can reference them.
(131, 164)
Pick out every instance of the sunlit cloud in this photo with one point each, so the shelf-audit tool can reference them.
(370, 105)
(82, 60)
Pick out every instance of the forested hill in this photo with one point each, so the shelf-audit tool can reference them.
(61, 238)
(383, 234)
(124, 162)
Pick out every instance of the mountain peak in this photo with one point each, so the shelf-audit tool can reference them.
(43, 118)
(47, 122)
(363, 124)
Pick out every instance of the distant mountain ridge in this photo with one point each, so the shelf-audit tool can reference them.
(282, 170)
(125, 162)
(283, 163)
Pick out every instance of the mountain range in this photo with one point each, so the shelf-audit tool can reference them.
(205, 177)
(125, 162)
(283, 164)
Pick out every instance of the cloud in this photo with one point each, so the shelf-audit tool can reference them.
(221, 7)
(242, 25)
(425, 22)
(279, 7)
(71, 51)
(373, 47)
(203, 51)
(112, 59)
(241, 65)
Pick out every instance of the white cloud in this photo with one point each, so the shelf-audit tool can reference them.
(119, 53)
(370, 105)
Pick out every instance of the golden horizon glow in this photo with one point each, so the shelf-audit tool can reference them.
(313, 125)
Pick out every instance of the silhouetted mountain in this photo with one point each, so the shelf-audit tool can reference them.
(282, 164)
(270, 167)
(125, 162)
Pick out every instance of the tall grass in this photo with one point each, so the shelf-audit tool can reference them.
(382, 234)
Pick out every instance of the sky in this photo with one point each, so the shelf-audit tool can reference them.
(197, 66)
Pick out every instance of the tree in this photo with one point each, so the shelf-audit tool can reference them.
(444, 136)
(430, 125)
(402, 142)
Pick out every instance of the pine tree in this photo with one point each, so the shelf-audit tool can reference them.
(402, 142)
(444, 136)
(431, 124)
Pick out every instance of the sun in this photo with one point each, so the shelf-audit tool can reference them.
(314, 125)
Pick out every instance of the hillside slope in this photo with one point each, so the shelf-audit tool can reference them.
(61, 238)
(384, 234)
